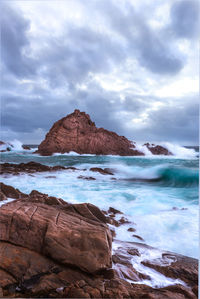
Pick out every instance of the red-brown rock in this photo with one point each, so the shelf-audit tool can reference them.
(181, 266)
(11, 192)
(158, 149)
(67, 238)
(53, 249)
(76, 132)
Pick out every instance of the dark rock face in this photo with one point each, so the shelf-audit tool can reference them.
(2, 196)
(11, 192)
(76, 132)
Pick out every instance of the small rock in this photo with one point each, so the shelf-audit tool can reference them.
(134, 251)
(89, 178)
(138, 237)
(104, 171)
(26, 147)
(131, 229)
(124, 220)
(114, 211)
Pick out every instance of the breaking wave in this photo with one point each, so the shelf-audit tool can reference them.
(165, 175)
(178, 177)
(176, 150)
(180, 151)
(14, 145)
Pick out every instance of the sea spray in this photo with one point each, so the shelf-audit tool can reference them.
(165, 210)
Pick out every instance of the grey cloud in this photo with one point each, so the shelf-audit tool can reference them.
(14, 40)
(78, 52)
(156, 56)
(179, 122)
(185, 18)
(147, 45)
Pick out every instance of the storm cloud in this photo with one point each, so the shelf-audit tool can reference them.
(130, 72)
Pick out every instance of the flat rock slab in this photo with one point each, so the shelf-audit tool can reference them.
(63, 236)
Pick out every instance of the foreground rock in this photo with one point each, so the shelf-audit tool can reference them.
(50, 248)
(76, 132)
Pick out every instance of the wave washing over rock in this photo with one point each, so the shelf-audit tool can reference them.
(51, 248)
(77, 133)
(14, 145)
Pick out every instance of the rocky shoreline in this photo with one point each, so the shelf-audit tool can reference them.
(53, 249)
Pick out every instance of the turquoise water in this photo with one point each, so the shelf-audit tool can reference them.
(160, 194)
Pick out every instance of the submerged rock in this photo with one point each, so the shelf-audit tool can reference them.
(89, 178)
(102, 171)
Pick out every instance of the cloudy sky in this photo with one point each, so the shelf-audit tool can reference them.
(132, 65)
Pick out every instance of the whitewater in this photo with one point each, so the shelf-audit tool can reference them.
(158, 193)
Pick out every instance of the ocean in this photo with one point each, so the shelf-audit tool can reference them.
(158, 193)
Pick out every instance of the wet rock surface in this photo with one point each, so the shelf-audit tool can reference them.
(50, 248)
(33, 167)
(158, 149)
(30, 167)
(180, 266)
(105, 171)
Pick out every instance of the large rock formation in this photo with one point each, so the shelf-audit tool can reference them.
(50, 248)
(76, 132)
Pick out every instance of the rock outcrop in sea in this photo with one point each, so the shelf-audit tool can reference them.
(53, 249)
(76, 132)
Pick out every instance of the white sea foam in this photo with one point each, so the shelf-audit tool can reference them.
(148, 206)
(180, 151)
(14, 146)
(143, 149)
(137, 172)
(147, 253)
(6, 201)
(17, 145)
(177, 151)
(72, 154)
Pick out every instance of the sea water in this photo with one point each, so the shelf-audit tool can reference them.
(158, 193)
